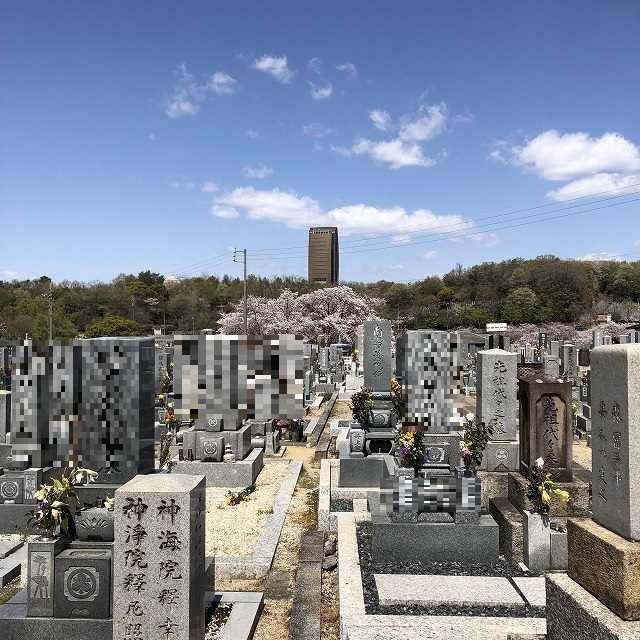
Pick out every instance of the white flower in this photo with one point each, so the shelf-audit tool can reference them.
(470, 417)
(540, 462)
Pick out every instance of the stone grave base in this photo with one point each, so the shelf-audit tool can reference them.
(15, 624)
(576, 507)
(355, 624)
(365, 472)
(240, 473)
(607, 565)
(572, 612)
(434, 542)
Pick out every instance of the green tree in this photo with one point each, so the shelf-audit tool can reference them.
(112, 326)
(63, 328)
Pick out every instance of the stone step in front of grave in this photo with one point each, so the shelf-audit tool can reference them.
(432, 591)
(439, 627)
(10, 566)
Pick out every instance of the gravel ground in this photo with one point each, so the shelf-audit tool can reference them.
(501, 568)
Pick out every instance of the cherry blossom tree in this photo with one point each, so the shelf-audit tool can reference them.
(334, 312)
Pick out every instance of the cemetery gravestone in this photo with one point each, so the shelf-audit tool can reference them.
(546, 429)
(377, 355)
(158, 589)
(615, 424)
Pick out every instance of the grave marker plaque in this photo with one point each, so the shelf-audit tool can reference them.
(377, 355)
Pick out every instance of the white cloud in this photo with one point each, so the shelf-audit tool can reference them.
(221, 83)
(10, 274)
(317, 130)
(183, 185)
(321, 93)
(258, 172)
(253, 134)
(397, 153)
(273, 206)
(349, 69)
(597, 257)
(553, 156)
(431, 255)
(601, 184)
(396, 267)
(487, 239)
(300, 212)
(315, 64)
(209, 187)
(403, 238)
(188, 95)
(152, 137)
(275, 66)
(381, 119)
(405, 149)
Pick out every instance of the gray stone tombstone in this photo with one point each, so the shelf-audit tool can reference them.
(554, 348)
(551, 366)
(496, 390)
(569, 360)
(377, 355)
(506, 343)
(607, 340)
(158, 563)
(528, 352)
(615, 429)
(542, 340)
(546, 426)
(324, 359)
(5, 414)
(306, 349)
(625, 338)
(597, 339)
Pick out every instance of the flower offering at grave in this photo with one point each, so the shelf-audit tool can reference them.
(475, 439)
(541, 488)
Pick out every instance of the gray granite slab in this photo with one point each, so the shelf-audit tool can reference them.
(533, 590)
(428, 590)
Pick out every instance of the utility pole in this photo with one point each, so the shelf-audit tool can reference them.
(244, 259)
(49, 297)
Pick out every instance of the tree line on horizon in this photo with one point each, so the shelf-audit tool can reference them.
(536, 291)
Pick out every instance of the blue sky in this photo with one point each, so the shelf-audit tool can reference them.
(160, 135)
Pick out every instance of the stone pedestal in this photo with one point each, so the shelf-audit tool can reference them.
(41, 555)
(159, 557)
(536, 544)
(606, 565)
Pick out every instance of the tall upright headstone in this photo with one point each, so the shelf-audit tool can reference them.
(237, 378)
(432, 378)
(597, 338)
(496, 389)
(377, 355)
(615, 426)
(88, 403)
(158, 559)
(546, 429)
(569, 360)
(496, 401)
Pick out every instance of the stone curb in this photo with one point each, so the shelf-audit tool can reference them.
(307, 593)
(258, 565)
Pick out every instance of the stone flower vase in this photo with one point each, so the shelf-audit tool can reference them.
(536, 540)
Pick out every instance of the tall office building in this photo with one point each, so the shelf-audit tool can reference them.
(323, 255)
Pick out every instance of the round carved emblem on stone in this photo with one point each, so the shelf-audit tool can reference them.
(81, 583)
(210, 448)
(435, 454)
(502, 454)
(9, 490)
(213, 422)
